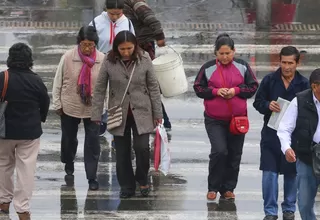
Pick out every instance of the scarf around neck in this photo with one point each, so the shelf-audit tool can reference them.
(84, 79)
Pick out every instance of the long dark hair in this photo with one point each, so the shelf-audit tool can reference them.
(122, 37)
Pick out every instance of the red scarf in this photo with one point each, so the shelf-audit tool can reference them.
(112, 32)
(84, 80)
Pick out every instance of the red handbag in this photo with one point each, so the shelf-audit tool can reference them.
(238, 124)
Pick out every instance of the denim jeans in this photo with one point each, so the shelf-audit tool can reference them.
(307, 190)
(270, 193)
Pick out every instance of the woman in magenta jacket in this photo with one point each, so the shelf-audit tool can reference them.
(225, 84)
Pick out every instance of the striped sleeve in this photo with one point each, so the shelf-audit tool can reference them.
(200, 85)
(148, 17)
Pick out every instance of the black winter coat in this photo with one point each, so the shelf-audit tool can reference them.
(28, 104)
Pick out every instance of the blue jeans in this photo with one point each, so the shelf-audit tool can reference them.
(307, 190)
(270, 193)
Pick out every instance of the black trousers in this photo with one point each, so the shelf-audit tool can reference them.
(69, 143)
(225, 156)
(126, 177)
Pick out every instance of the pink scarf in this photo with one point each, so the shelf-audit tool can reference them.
(84, 80)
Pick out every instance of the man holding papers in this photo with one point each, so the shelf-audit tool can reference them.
(275, 89)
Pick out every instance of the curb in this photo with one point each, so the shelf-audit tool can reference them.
(75, 25)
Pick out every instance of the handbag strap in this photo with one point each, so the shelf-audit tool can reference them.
(5, 85)
(224, 85)
(125, 92)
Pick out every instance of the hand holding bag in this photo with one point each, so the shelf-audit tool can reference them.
(238, 124)
(115, 116)
(3, 105)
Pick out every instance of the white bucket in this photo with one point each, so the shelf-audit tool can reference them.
(170, 74)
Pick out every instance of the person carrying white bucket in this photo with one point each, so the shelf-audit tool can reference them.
(148, 30)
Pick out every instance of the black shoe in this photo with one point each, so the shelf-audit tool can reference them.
(270, 217)
(288, 216)
(93, 185)
(69, 179)
(145, 191)
(126, 195)
(69, 168)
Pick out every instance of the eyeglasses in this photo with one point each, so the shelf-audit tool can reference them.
(88, 45)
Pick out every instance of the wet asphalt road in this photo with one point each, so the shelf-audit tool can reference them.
(181, 194)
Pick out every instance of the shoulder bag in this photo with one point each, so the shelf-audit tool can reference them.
(115, 116)
(3, 105)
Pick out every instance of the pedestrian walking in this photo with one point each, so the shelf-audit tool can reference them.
(73, 85)
(148, 31)
(225, 84)
(135, 106)
(299, 134)
(284, 83)
(108, 24)
(28, 105)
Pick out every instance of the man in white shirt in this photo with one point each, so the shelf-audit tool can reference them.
(299, 131)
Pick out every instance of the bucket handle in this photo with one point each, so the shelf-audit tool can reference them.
(173, 51)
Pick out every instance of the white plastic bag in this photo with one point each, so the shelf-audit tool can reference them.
(165, 156)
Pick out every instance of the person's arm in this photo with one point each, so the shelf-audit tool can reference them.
(201, 87)
(154, 91)
(287, 125)
(261, 102)
(250, 86)
(57, 85)
(148, 17)
(99, 92)
(44, 100)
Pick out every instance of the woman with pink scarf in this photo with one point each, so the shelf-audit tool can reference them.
(73, 85)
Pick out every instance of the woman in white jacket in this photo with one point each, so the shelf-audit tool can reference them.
(108, 24)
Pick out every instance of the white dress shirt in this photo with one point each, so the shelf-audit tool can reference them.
(288, 124)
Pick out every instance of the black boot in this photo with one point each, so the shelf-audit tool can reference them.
(93, 185)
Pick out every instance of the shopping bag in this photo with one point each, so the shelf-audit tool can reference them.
(157, 149)
(165, 155)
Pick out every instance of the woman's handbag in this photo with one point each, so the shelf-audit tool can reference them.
(238, 124)
(3, 105)
(115, 116)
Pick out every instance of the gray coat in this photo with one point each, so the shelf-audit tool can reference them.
(143, 94)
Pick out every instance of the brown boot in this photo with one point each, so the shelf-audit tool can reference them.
(24, 216)
(4, 208)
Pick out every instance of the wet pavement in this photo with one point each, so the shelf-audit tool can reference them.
(259, 36)
(180, 195)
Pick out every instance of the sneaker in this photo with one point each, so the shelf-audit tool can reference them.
(270, 217)
(69, 168)
(211, 195)
(4, 208)
(24, 216)
(228, 195)
(288, 216)
(93, 185)
(103, 129)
